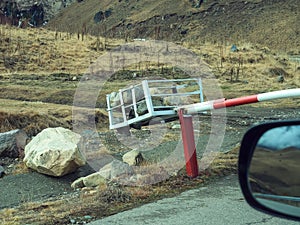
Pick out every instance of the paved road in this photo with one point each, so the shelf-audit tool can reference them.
(219, 203)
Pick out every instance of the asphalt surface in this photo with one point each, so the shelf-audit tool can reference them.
(32, 186)
(218, 203)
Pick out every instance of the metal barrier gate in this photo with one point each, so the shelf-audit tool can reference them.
(151, 99)
(138, 104)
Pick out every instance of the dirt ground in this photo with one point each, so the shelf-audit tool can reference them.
(17, 189)
(36, 93)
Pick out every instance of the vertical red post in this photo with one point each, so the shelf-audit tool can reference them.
(187, 131)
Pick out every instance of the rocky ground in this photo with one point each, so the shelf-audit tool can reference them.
(19, 188)
(221, 21)
(40, 71)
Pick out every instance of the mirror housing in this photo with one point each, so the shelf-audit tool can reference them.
(268, 167)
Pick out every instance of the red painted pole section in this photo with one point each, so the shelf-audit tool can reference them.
(187, 123)
(235, 102)
(187, 131)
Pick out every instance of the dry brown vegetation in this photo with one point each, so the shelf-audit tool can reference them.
(271, 23)
(40, 70)
(37, 67)
(42, 51)
(107, 200)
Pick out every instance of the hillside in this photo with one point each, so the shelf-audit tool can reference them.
(22, 8)
(272, 23)
(41, 70)
(41, 66)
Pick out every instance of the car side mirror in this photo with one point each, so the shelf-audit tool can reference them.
(269, 167)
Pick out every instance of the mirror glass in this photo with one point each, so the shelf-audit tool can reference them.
(274, 173)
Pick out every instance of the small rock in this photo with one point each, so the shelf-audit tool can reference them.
(78, 183)
(280, 79)
(133, 158)
(176, 126)
(12, 143)
(93, 180)
(89, 190)
(87, 217)
(115, 169)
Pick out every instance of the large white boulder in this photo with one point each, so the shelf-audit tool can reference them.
(55, 152)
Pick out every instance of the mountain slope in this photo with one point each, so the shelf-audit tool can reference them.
(273, 23)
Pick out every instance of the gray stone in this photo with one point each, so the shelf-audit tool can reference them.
(176, 126)
(12, 143)
(87, 217)
(280, 78)
(177, 101)
(78, 183)
(133, 158)
(55, 152)
(93, 180)
(115, 169)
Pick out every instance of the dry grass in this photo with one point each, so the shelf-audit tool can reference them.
(42, 51)
(250, 70)
(43, 63)
(107, 200)
(38, 66)
(271, 23)
(36, 116)
(20, 168)
(32, 116)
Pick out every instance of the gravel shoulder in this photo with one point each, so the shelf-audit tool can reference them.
(31, 186)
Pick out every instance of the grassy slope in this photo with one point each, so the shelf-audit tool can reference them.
(131, 11)
(271, 23)
(37, 68)
(38, 65)
(43, 51)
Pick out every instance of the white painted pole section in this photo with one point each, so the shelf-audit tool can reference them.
(278, 94)
(198, 107)
(223, 103)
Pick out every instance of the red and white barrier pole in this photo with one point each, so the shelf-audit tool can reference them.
(185, 118)
(224, 103)
(188, 140)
